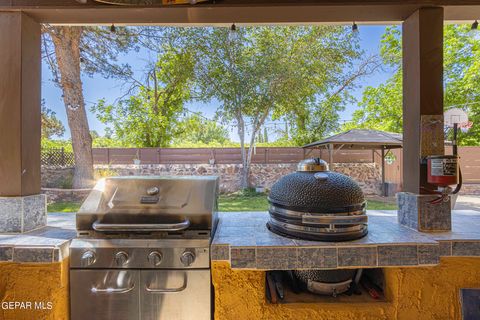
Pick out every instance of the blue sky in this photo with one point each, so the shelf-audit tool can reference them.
(97, 87)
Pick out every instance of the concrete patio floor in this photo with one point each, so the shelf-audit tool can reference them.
(468, 202)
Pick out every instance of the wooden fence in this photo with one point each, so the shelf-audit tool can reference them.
(469, 158)
(469, 164)
(219, 155)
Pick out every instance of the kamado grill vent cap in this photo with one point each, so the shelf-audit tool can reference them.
(312, 165)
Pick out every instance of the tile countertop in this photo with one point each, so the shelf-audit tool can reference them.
(45, 245)
(243, 239)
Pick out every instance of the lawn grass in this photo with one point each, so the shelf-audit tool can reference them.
(63, 207)
(380, 205)
(258, 202)
(239, 202)
(229, 203)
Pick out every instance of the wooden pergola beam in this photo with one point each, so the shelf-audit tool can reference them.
(158, 3)
(239, 11)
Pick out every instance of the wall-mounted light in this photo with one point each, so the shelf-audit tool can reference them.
(354, 27)
(113, 29)
(475, 25)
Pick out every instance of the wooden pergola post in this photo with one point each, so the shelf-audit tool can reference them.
(384, 189)
(422, 117)
(22, 208)
(330, 156)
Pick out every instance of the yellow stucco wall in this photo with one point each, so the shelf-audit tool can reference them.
(430, 293)
(413, 293)
(47, 283)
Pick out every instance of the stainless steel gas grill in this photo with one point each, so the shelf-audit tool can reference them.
(143, 249)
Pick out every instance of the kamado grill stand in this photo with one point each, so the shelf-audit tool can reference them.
(317, 204)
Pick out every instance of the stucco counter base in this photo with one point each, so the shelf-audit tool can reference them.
(427, 293)
(423, 273)
(34, 271)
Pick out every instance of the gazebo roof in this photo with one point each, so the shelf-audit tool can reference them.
(356, 139)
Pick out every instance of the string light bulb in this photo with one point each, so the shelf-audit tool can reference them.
(354, 27)
(233, 34)
(475, 25)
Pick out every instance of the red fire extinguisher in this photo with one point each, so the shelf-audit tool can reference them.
(443, 171)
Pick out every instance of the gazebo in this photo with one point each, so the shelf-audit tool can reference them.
(360, 139)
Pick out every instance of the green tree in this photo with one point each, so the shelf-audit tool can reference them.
(69, 51)
(51, 125)
(149, 117)
(263, 72)
(381, 107)
(56, 144)
(197, 130)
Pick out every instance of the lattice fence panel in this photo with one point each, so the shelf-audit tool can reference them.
(57, 158)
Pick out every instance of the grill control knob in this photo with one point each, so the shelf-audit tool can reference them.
(121, 258)
(155, 258)
(187, 258)
(88, 258)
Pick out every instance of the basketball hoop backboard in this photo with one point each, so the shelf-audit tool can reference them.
(457, 116)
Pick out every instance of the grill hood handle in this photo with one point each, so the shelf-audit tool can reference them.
(140, 227)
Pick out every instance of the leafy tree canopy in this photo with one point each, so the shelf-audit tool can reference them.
(381, 107)
(149, 117)
(256, 73)
(51, 125)
(199, 131)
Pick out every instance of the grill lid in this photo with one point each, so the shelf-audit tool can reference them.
(149, 204)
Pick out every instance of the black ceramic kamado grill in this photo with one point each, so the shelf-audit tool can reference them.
(317, 204)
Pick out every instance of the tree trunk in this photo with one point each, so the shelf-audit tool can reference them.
(67, 50)
(245, 168)
(251, 149)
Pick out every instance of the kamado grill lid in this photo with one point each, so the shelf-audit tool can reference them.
(317, 204)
